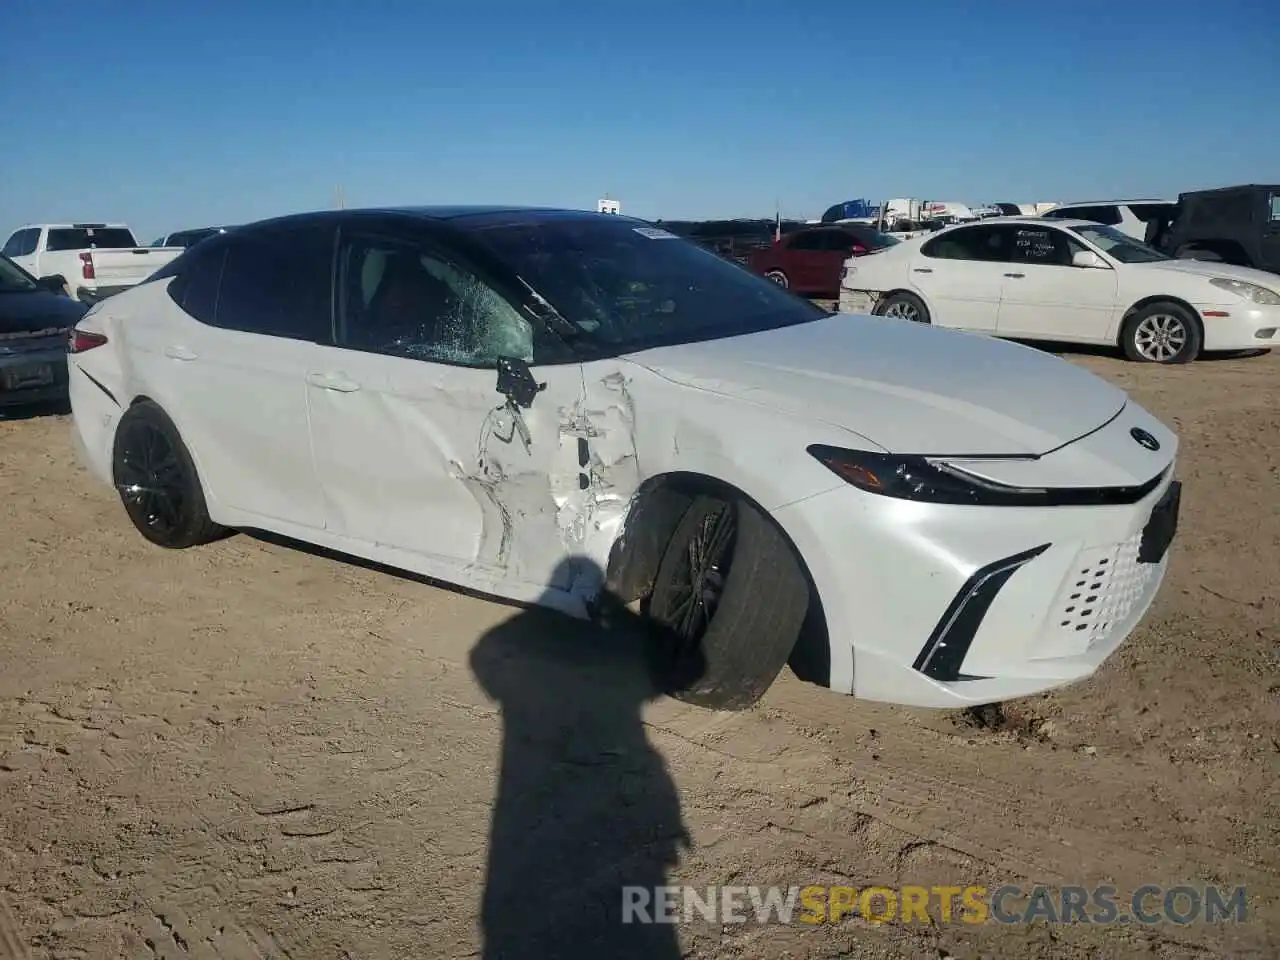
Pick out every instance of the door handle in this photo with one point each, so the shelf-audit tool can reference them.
(333, 381)
(922, 270)
(179, 353)
(1019, 276)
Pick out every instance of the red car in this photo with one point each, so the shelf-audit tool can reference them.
(810, 261)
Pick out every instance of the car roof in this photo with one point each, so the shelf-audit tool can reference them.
(1047, 221)
(473, 215)
(94, 225)
(1111, 203)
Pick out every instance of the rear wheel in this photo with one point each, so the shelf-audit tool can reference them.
(157, 480)
(1161, 333)
(903, 306)
(731, 597)
(778, 277)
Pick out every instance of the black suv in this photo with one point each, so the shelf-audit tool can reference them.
(1239, 225)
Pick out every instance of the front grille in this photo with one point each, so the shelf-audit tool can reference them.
(1101, 593)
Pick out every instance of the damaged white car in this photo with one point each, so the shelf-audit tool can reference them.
(563, 407)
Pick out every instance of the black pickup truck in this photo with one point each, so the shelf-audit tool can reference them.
(1239, 225)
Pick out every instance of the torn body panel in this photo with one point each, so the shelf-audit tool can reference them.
(567, 499)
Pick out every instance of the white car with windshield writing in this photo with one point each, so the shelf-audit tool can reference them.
(567, 407)
(1071, 281)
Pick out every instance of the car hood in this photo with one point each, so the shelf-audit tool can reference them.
(37, 310)
(906, 387)
(1204, 268)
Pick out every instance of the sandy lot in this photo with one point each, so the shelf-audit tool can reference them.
(251, 751)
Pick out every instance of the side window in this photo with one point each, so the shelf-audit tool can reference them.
(23, 243)
(1147, 212)
(811, 240)
(989, 244)
(278, 283)
(1043, 246)
(845, 240)
(404, 299)
(1273, 203)
(196, 288)
(1106, 215)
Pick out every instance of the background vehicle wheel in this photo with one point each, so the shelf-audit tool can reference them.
(778, 277)
(731, 598)
(157, 480)
(1162, 333)
(903, 306)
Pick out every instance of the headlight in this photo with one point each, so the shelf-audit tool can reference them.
(934, 480)
(920, 478)
(1250, 291)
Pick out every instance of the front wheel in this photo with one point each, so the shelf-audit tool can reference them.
(731, 597)
(1162, 333)
(778, 277)
(903, 306)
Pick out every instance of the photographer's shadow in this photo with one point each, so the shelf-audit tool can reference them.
(585, 806)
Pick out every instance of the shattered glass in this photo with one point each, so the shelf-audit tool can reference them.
(418, 306)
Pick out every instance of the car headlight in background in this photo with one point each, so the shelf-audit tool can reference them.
(933, 480)
(1250, 291)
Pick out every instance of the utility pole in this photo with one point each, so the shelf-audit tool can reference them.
(339, 199)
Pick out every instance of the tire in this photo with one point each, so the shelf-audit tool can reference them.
(1162, 332)
(725, 651)
(903, 306)
(778, 277)
(157, 480)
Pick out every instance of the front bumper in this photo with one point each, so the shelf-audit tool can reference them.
(934, 605)
(1239, 327)
(32, 376)
(857, 301)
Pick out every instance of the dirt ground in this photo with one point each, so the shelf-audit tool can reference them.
(247, 750)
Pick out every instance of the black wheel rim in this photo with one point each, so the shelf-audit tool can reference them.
(698, 582)
(150, 478)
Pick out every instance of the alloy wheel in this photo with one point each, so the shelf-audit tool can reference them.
(699, 580)
(150, 477)
(902, 310)
(1160, 337)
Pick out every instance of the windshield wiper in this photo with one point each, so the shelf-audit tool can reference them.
(555, 319)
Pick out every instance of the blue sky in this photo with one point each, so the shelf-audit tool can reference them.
(172, 115)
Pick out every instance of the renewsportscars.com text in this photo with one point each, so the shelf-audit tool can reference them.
(814, 904)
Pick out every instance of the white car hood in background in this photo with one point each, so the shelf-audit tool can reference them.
(907, 387)
(1210, 270)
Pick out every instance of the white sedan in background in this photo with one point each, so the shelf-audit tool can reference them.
(1068, 280)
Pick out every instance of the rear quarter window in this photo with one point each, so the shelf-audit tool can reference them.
(89, 238)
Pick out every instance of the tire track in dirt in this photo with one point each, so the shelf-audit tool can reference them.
(12, 946)
(935, 815)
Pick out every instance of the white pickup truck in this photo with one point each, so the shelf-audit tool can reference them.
(94, 260)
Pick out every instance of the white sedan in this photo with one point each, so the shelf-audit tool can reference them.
(1072, 281)
(581, 410)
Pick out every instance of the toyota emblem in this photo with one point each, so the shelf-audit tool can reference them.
(1144, 439)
